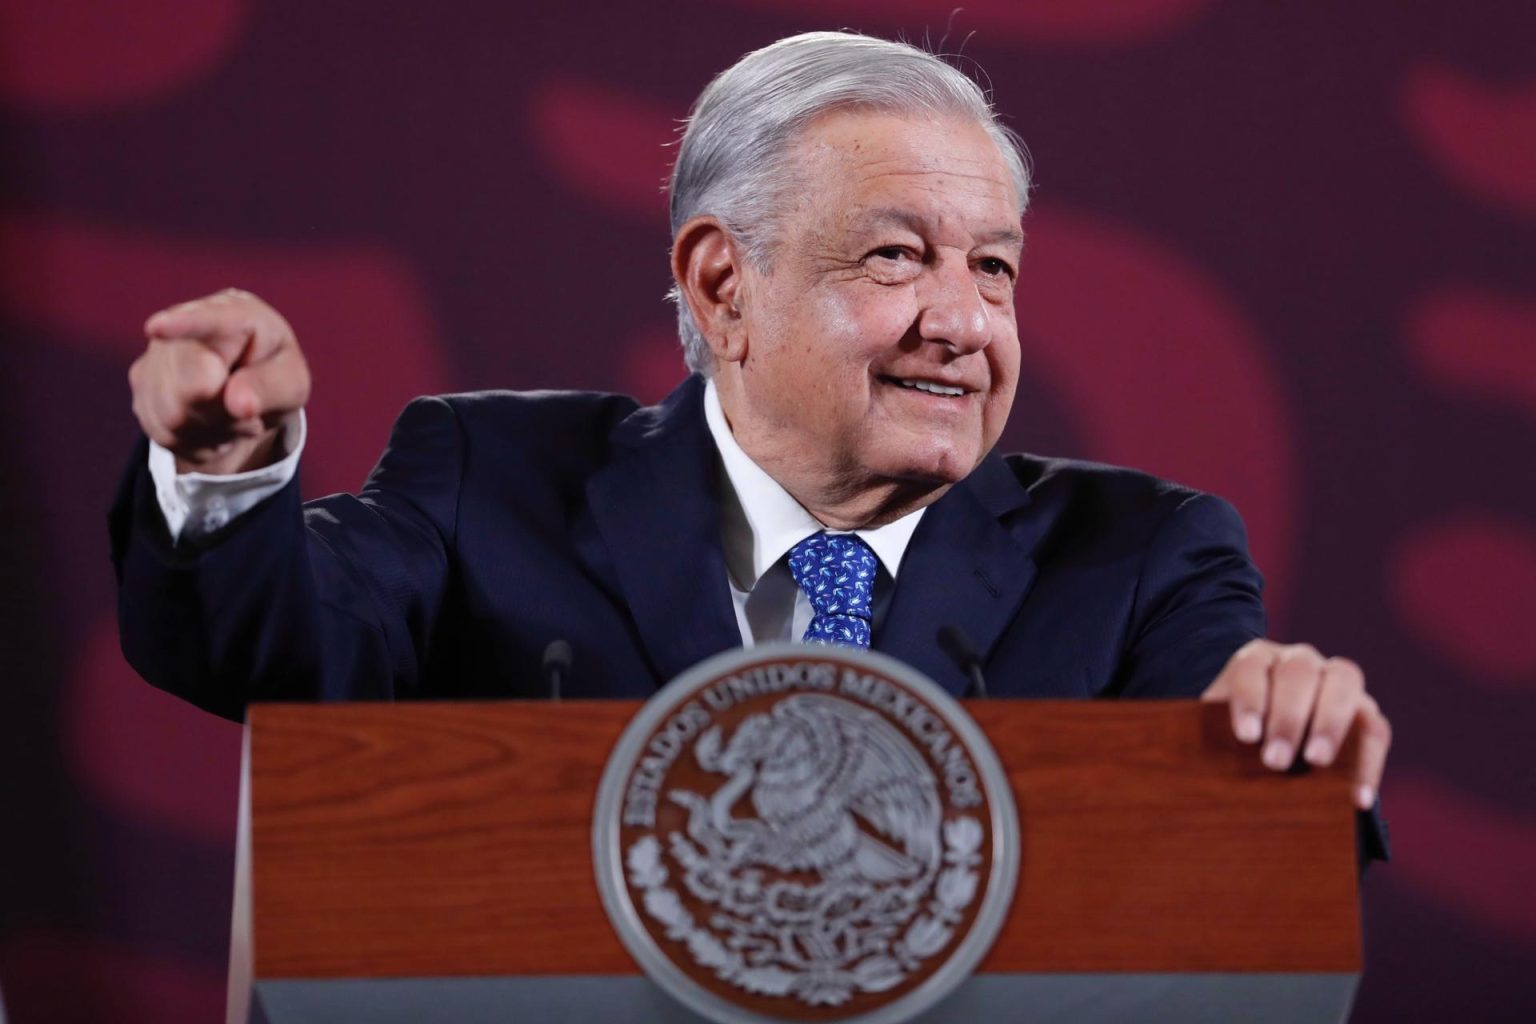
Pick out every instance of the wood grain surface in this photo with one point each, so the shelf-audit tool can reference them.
(434, 839)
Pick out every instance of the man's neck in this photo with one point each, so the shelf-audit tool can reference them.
(863, 508)
(842, 499)
(845, 499)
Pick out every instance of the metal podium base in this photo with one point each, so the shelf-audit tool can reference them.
(995, 998)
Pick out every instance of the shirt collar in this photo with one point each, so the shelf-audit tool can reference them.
(763, 521)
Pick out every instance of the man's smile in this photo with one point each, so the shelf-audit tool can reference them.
(940, 389)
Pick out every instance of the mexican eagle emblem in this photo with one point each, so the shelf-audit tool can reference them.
(798, 835)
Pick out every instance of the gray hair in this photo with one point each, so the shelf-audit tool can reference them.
(732, 162)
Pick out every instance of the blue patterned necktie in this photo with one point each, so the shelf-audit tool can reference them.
(837, 572)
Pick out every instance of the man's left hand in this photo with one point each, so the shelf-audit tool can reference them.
(1285, 694)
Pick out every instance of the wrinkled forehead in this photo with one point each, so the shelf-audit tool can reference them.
(880, 169)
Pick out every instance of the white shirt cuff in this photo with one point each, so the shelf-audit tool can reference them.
(198, 504)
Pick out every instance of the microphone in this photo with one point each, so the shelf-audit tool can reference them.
(557, 666)
(960, 651)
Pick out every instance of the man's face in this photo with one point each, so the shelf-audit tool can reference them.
(881, 344)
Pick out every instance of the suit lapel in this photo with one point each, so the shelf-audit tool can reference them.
(964, 568)
(657, 510)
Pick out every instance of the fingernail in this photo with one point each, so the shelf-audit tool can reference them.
(1249, 727)
(1365, 797)
(1319, 750)
(1278, 755)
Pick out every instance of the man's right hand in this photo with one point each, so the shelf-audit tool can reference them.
(218, 379)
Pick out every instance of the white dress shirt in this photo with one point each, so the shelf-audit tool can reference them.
(760, 524)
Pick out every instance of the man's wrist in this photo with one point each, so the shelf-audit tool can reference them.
(237, 457)
(199, 503)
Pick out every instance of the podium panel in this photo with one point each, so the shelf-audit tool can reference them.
(441, 852)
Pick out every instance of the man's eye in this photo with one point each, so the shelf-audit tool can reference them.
(994, 267)
(893, 253)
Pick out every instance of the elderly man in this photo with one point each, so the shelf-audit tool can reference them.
(846, 237)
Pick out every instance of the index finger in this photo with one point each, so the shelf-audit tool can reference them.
(234, 323)
(1246, 683)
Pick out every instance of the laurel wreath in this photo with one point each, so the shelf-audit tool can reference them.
(929, 932)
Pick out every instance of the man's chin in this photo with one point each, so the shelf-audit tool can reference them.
(933, 469)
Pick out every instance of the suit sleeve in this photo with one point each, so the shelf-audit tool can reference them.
(1199, 599)
(336, 600)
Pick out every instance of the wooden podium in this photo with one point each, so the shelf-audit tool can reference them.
(432, 861)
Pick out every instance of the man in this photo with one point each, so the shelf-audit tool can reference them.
(846, 235)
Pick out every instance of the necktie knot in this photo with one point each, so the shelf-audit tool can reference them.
(837, 573)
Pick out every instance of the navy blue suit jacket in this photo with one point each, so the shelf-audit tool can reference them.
(497, 522)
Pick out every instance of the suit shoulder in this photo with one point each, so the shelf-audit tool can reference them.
(1094, 483)
(544, 409)
(1093, 502)
(537, 428)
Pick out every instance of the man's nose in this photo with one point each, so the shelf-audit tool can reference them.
(953, 310)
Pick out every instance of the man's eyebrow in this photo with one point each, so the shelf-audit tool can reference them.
(881, 216)
(1008, 236)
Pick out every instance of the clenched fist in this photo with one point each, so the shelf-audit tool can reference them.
(218, 378)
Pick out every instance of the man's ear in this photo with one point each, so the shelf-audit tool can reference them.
(707, 265)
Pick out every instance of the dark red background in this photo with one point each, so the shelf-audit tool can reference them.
(1281, 251)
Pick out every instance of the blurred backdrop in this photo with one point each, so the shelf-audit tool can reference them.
(1281, 251)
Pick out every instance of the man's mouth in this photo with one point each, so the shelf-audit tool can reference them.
(931, 387)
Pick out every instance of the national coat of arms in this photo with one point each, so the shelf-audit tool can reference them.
(805, 833)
